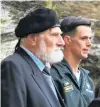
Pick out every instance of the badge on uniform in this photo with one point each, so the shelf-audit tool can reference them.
(68, 87)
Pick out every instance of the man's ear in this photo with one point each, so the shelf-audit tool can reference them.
(32, 39)
(67, 39)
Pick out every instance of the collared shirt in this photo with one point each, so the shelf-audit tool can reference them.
(35, 59)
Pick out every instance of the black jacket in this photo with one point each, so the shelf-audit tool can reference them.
(97, 89)
(95, 103)
(74, 94)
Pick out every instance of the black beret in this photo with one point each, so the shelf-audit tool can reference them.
(37, 21)
(71, 22)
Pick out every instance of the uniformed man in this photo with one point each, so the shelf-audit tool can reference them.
(73, 82)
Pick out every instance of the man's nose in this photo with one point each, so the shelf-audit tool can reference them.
(89, 42)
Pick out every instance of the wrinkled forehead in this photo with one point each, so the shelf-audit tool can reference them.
(52, 31)
(55, 30)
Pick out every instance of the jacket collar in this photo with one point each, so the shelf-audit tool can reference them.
(65, 68)
(28, 59)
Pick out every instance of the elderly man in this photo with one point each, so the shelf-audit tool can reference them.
(25, 82)
(74, 83)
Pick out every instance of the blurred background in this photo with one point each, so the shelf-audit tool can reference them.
(12, 11)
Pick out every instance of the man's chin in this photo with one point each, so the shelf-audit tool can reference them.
(84, 57)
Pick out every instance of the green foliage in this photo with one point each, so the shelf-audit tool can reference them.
(4, 21)
(51, 5)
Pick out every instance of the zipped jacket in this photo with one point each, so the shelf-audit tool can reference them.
(74, 94)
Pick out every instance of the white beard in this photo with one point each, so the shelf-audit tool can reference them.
(55, 56)
(50, 57)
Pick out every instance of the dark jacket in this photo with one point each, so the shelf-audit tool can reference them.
(74, 94)
(95, 103)
(97, 90)
(23, 84)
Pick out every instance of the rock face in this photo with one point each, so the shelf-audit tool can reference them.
(8, 42)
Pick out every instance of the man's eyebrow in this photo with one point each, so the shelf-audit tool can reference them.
(56, 33)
